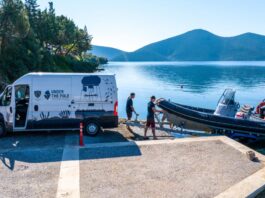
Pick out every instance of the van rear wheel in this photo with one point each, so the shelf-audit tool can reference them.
(92, 128)
(2, 130)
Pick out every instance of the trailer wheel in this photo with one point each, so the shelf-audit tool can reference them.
(92, 128)
(2, 129)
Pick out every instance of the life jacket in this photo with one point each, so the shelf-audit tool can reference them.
(261, 105)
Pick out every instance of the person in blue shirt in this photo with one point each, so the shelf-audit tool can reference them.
(150, 120)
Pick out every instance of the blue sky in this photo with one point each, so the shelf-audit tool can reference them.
(131, 24)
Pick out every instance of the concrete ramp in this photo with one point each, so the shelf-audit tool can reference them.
(188, 167)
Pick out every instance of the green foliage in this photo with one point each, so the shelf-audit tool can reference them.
(37, 40)
(102, 60)
(88, 57)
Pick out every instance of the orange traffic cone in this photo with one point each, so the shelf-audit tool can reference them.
(81, 138)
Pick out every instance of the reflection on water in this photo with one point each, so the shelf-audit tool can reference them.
(192, 83)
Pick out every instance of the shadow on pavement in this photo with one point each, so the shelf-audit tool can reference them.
(7, 161)
(129, 150)
(46, 147)
(34, 140)
(106, 136)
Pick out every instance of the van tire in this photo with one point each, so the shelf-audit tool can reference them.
(2, 129)
(92, 128)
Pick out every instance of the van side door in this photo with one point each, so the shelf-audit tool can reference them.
(6, 108)
(22, 98)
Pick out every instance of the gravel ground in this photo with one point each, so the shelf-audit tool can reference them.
(122, 134)
(29, 173)
(137, 130)
(30, 165)
(193, 169)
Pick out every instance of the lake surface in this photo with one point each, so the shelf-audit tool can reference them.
(203, 82)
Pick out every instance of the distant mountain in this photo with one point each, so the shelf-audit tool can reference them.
(107, 52)
(199, 45)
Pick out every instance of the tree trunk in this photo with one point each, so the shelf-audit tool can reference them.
(69, 50)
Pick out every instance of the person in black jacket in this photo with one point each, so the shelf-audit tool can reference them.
(129, 106)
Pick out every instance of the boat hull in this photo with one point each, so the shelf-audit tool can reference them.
(205, 120)
(186, 124)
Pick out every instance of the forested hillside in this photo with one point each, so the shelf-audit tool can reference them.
(196, 45)
(107, 52)
(38, 40)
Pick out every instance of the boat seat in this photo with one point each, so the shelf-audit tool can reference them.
(244, 112)
(246, 109)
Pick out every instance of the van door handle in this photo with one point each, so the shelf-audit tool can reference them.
(11, 110)
(36, 108)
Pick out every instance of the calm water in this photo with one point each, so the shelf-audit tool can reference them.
(203, 82)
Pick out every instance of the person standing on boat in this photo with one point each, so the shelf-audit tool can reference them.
(150, 121)
(129, 106)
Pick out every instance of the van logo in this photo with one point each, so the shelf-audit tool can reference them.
(56, 94)
(37, 94)
(90, 81)
(47, 95)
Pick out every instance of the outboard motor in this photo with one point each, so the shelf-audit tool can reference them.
(226, 105)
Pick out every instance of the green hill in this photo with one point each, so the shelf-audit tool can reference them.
(200, 45)
(107, 52)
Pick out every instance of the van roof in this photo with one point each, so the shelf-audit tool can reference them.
(65, 74)
(26, 77)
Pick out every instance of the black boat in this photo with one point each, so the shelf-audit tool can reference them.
(227, 117)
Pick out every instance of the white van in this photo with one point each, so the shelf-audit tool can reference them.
(59, 101)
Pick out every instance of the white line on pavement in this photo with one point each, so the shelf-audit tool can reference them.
(68, 184)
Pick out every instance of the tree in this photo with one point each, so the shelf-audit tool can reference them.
(82, 43)
(14, 28)
(14, 23)
(32, 10)
(38, 40)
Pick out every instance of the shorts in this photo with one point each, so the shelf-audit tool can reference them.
(129, 115)
(150, 123)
